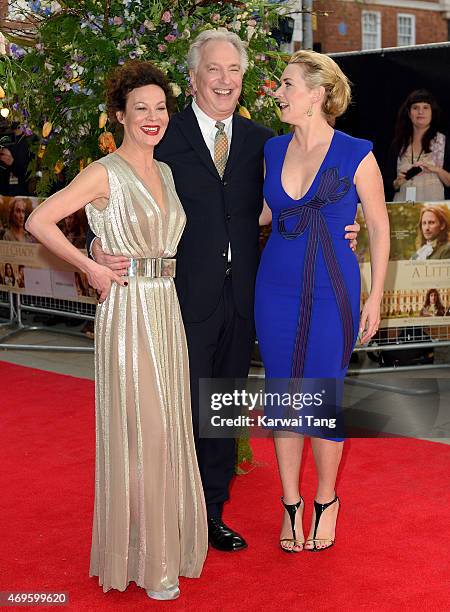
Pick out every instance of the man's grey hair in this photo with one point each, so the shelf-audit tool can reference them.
(221, 34)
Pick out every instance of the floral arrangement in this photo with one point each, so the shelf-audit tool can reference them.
(53, 80)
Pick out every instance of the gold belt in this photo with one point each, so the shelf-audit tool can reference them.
(152, 267)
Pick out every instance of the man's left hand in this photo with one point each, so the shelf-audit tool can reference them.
(352, 234)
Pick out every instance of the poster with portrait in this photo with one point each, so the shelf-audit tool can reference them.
(27, 266)
(417, 287)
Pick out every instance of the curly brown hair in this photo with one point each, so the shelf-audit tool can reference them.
(133, 74)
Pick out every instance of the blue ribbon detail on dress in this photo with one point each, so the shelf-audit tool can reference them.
(331, 189)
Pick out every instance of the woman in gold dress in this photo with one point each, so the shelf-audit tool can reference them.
(149, 517)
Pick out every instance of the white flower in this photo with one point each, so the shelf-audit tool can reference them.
(176, 89)
(259, 103)
(83, 130)
(250, 32)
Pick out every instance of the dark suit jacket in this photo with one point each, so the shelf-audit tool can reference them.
(218, 212)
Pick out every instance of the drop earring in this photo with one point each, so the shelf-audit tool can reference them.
(309, 112)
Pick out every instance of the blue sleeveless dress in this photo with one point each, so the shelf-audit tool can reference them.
(307, 302)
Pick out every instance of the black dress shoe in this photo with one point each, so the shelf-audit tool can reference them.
(223, 538)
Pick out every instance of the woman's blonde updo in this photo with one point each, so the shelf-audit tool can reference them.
(320, 70)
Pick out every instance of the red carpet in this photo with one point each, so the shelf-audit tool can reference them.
(392, 549)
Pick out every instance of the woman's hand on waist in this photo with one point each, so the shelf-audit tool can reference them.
(116, 263)
(100, 278)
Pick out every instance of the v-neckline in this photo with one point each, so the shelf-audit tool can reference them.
(307, 192)
(161, 209)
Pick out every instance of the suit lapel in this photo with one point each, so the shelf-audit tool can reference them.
(190, 128)
(240, 127)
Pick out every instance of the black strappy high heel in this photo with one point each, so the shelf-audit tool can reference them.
(292, 511)
(320, 508)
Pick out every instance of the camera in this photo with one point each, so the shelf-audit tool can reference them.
(412, 172)
(7, 139)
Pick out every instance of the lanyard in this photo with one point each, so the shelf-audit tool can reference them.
(412, 154)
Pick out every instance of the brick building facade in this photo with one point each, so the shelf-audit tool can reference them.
(353, 25)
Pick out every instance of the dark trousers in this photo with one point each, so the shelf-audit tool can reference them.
(219, 347)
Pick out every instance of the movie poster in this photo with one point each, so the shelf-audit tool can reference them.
(417, 288)
(28, 267)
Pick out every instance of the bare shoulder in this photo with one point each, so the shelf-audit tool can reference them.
(93, 179)
(367, 168)
(96, 171)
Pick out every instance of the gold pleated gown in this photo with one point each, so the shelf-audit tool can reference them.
(149, 517)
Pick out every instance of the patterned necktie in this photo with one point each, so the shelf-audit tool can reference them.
(220, 148)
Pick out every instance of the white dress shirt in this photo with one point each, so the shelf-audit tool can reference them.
(208, 129)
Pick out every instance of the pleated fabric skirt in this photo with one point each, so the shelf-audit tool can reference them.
(149, 516)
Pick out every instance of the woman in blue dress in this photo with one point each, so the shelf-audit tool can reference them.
(307, 306)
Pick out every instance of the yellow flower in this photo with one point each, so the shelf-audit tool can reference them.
(2, 93)
(244, 112)
(41, 151)
(46, 129)
(58, 167)
(103, 118)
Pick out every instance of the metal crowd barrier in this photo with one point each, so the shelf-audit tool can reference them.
(21, 303)
(412, 336)
(405, 338)
(7, 303)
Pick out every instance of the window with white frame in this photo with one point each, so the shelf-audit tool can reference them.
(406, 30)
(370, 30)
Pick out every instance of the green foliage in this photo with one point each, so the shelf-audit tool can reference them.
(58, 75)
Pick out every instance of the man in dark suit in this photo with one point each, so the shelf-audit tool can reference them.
(216, 158)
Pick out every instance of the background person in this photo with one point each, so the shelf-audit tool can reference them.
(418, 144)
(15, 157)
(149, 516)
